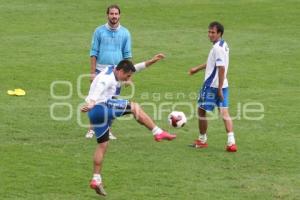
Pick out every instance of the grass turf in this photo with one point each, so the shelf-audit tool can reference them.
(46, 41)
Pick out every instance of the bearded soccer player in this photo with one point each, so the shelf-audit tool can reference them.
(111, 43)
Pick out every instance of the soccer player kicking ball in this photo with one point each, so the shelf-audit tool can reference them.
(214, 91)
(102, 109)
(138, 66)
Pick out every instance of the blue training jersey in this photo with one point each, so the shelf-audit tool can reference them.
(111, 46)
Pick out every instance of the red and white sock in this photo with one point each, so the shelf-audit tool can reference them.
(156, 130)
(97, 177)
(203, 137)
(231, 139)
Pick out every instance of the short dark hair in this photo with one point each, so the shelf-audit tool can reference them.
(218, 25)
(126, 66)
(113, 6)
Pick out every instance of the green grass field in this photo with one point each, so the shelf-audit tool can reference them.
(47, 41)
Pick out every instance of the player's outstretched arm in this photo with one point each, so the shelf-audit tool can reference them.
(154, 59)
(194, 70)
(148, 63)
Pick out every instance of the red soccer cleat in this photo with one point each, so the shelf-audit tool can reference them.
(164, 136)
(199, 144)
(98, 187)
(231, 148)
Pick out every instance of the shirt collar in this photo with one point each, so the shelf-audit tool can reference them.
(112, 29)
(217, 41)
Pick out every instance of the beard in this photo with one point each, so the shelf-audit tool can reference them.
(114, 21)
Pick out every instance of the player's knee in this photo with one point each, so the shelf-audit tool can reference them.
(201, 112)
(134, 107)
(224, 113)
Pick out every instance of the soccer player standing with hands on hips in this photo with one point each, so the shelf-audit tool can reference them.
(214, 91)
(111, 43)
(102, 108)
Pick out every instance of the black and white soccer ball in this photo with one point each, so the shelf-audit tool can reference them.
(177, 119)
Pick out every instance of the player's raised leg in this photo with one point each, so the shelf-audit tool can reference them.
(145, 120)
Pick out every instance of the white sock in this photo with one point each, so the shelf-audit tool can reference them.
(203, 137)
(231, 139)
(97, 177)
(156, 130)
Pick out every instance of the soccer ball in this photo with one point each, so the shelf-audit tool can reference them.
(177, 119)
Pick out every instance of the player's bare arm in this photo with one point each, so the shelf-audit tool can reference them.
(154, 59)
(221, 75)
(93, 68)
(194, 70)
(143, 65)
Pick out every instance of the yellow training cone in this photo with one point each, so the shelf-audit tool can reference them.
(16, 92)
(11, 92)
(20, 92)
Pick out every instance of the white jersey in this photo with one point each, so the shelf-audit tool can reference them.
(218, 56)
(104, 86)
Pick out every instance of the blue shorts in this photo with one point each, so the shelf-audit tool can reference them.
(208, 98)
(102, 114)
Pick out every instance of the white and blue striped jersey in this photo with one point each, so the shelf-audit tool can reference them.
(104, 86)
(218, 56)
(110, 46)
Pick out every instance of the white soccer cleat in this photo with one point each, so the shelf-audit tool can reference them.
(90, 134)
